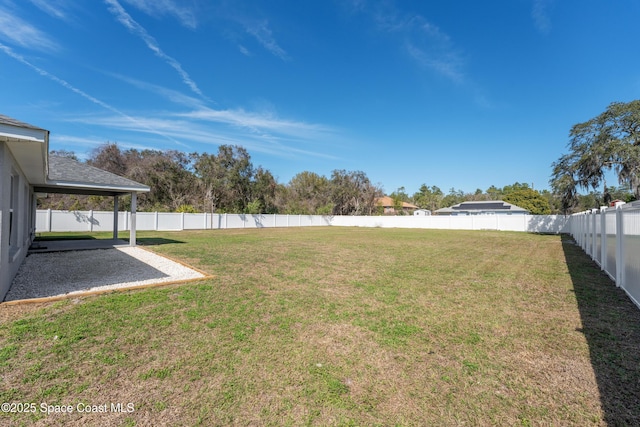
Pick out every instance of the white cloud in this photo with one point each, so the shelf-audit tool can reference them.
(185, 15)
(55, 8)
(7, 50)
(244, 50)
(16, 31)
(208, 129)
(540, 15)
(256, 122)
(125, 19)
(447, 64)
(169, 94)
(264, 35)
(90, 142)
(425, 42)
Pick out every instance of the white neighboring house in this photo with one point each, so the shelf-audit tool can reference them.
(484, 207)
(26, 170)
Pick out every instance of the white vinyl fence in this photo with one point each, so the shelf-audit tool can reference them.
(54, 220)
(611, 236)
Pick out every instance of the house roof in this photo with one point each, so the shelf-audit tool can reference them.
(72, 177)
(482, 206)
(6, 120)
(387, 201)
(29, 145)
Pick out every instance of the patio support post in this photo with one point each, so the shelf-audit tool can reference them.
(132, 230)
(115, 217)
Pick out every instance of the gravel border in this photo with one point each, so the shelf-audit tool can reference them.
(73, 273)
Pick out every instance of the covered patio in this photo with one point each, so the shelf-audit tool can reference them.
(67, 176)
(26, 171)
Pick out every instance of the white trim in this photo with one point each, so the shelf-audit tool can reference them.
(13, 133)
(104, 187)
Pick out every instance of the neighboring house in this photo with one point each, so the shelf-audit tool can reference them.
(26, 170)
(491, 207)
(388, 206)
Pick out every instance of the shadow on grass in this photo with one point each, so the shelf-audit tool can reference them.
(154, 241)
(611, 325)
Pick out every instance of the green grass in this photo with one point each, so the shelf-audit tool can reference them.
(333, 326)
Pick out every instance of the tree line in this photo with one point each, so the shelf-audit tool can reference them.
(228, 182)
(225, 182)
(607, 143)
(537, 202)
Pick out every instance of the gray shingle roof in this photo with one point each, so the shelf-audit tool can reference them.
(68, 172)
(6, 120)
(472, 207)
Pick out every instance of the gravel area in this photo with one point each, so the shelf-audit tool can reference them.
(66, 273)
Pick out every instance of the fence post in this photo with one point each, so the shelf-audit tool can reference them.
(181, 221)
(619, 246)
(603, 238)
(91, 220)
(585, 221)
(594, 236)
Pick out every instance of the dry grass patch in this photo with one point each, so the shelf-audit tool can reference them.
(339, 326)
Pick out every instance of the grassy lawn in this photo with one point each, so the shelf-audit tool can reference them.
(338, 326)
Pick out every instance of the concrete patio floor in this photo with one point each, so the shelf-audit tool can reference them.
(64, 268)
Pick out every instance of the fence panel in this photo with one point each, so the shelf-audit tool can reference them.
(103, 221)
(631, 252)
(195, 221)
(305, 220)
(598, 239)
(146, 221)
(76, 221)
(612, 238)
(42, 221)
(610, 231)
(168, 221)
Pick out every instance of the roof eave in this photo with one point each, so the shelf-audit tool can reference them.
(29, 146)
(99, 187)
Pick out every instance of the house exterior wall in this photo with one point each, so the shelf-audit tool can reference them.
(17, 218)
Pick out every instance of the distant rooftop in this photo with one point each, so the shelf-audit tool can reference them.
(387, 201)
(483, 206)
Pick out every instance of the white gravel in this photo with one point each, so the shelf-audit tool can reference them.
(67, 273)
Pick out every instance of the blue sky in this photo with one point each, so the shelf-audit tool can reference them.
(463, 94)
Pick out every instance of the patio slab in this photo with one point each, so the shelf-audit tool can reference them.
(66, 272)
